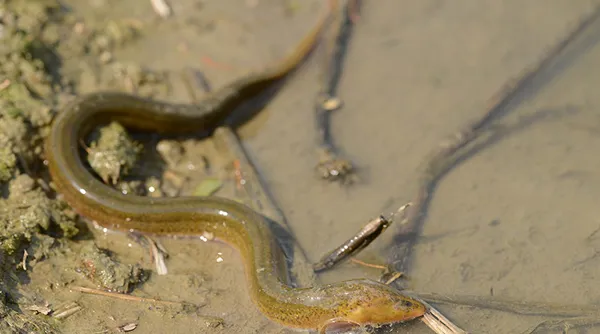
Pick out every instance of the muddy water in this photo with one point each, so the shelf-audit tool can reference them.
(517, 219)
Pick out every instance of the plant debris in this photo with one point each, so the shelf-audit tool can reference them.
(128, 327)
(208, 186)
(108, 273)
(112, 152)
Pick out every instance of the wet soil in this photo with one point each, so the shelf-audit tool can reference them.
(518, 219)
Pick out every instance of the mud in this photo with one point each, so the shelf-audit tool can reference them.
(515, 220)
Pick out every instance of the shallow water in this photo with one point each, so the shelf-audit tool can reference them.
(517, 219)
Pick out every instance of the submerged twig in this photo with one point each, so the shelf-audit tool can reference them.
(359, 241)
(41, 309)
(393, 277)
(127, 327)
(443, 158)
(440, 324)
(356, 243)
(331, 166)
(435, 320)
(122, 296)
(517, 307)
(24, 260)
(158, 255)
(370, 265)
(67, 310)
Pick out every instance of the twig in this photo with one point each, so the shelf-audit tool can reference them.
(433, 316)
(353, 245)
(435, 320)
(330, 166)
(158, 256)
(161, 7)
(356, 243)
(24, 261)
(67, 313)
(394, 277)
(436, 325)
(127, 327)
(366, 264)
(42, 309)
(240, 182)
(517, 307)
(122, 296)
(69, 310)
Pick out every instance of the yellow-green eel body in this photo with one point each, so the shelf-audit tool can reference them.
(356, 302)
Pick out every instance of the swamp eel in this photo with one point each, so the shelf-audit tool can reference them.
(354, 302)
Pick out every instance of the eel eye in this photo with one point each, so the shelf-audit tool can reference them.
(407, 303)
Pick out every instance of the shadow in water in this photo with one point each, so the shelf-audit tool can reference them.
(566, 53)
